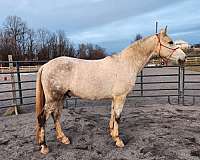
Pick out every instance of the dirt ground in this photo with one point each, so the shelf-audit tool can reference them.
(151, 132)
(151, 128)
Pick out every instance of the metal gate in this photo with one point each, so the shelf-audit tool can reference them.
(180, 85)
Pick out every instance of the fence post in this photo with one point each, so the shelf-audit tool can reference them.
(13, 83)
(141, 83)
(19, 83)
(181, 83)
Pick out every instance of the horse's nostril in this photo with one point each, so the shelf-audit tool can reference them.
(181, 61)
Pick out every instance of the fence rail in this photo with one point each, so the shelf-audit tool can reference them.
(153, 81)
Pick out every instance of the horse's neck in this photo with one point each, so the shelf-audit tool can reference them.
(139, 53)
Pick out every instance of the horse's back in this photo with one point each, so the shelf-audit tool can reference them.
(82, 77)
(88, 79)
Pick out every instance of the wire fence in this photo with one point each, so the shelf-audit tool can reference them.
(176, 83)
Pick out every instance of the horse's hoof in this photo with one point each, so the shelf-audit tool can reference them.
(44, 149)
(120, 144)
(64, 140)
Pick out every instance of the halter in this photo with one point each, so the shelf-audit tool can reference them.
(165, 59)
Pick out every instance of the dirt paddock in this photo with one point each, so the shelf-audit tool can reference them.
(151, 132)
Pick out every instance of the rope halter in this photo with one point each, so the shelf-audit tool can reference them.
(165, 59)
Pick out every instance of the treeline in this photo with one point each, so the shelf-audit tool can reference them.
(24, 43)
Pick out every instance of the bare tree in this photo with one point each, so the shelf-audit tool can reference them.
(90, 51)
(31, 45)
(26, 44)
(70, 49)
(16, 29)
(61, 42)
(5, 45)
(43, 36)
(43, 40)
(53, 45)
(82, 51)
(98, 53)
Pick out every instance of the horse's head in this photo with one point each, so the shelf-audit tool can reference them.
(167, 50)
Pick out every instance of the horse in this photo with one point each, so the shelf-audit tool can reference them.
(112, 77)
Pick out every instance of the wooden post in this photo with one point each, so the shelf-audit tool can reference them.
(11, 69)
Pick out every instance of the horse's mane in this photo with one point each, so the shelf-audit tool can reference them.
(138, 43)
(138, 47)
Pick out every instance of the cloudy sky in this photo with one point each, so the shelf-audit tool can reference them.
(109, 23)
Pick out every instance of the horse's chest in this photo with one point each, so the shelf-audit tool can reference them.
(123, 85)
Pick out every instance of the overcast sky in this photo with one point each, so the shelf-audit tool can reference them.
(109, 23)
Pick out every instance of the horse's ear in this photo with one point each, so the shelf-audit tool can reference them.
(162, 31)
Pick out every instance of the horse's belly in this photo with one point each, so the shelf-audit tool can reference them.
(92, 91)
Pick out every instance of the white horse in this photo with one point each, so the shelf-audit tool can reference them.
(110, 78)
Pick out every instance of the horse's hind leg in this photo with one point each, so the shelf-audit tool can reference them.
(117, 106)
(56, 117)
(42, 118)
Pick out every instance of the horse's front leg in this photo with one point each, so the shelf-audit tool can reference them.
(117, 106)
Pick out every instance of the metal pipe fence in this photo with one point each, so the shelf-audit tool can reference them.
(173, 82)
(24, 74)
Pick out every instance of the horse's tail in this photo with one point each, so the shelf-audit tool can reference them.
(39, 100)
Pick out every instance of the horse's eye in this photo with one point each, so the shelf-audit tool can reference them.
(170, 42)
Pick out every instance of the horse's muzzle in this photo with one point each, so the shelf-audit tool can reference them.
(181, 61)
